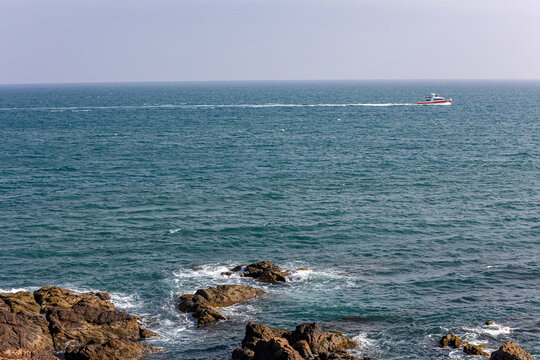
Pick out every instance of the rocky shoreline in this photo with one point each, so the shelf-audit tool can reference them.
(508, 351)
(84, 326)
(53, 323)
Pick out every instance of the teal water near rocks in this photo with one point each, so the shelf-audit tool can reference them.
(413, 220)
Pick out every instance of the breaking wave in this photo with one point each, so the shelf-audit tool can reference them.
(491, 330)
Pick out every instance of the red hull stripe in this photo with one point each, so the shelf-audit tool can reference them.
(434, 102)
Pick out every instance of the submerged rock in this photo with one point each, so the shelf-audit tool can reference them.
(307, 341)
(203, 303)
(263, 271)
(474, 350)
(34, 324)
(493, 323)
(511, 351)
(450, 340)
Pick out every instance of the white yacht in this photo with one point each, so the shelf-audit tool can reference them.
(434, 99)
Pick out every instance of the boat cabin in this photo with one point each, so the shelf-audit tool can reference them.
(433, 97)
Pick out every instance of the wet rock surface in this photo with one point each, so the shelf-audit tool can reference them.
(34, 324)
(204, 302)
(511, 351)
(307, 341)
(450, 340)
(263, 271)
(474, 350)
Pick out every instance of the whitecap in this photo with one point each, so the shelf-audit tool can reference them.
(363, 340)
(208, 271)
(492, 330)
(300, 275)
(174, 231)
(124, 302)
(14, 290)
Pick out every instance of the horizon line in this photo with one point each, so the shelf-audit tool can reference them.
(260, 81)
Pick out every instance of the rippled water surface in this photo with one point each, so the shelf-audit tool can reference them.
(413, 220)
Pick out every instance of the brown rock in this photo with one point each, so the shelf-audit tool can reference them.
(303, 349)
(26, 355)
(265, 271)
(88, 318)
(511, 351)
(202, 304)
(207, 314)
(450, 340)
(339, 356)
(276, 349)
(24, 331)
(307, 341)
(237, 268)
(54, 297)
(22, 301)
(110, 350)
(103, 296)
(87, 321)
(226, 295)
(145, 333)
(243, 354)
(256, 332)
(474, 350)
(321, 341)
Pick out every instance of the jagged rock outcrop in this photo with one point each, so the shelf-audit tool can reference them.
(450, 340)
(24, 333)
(85, 317)
(474, 350)
(307, 341)
(455, 342)
(34, 324)
(203, 303)
(511, 351)
(263, 271)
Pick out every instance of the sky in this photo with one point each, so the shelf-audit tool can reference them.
(59, 41)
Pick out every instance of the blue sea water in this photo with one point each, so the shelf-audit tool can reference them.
(414, 221)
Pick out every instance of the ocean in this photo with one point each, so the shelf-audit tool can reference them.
(414, 221)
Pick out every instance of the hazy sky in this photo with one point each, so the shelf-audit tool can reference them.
(183, 40)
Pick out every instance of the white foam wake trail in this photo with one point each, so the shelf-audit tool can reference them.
(200, 106)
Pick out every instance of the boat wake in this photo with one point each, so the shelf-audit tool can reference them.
(198, 106)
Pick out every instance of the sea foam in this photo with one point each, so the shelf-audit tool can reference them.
(202, 106)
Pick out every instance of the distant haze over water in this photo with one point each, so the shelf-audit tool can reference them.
(59, 41)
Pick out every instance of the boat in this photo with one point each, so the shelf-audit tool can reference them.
(434, 99)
